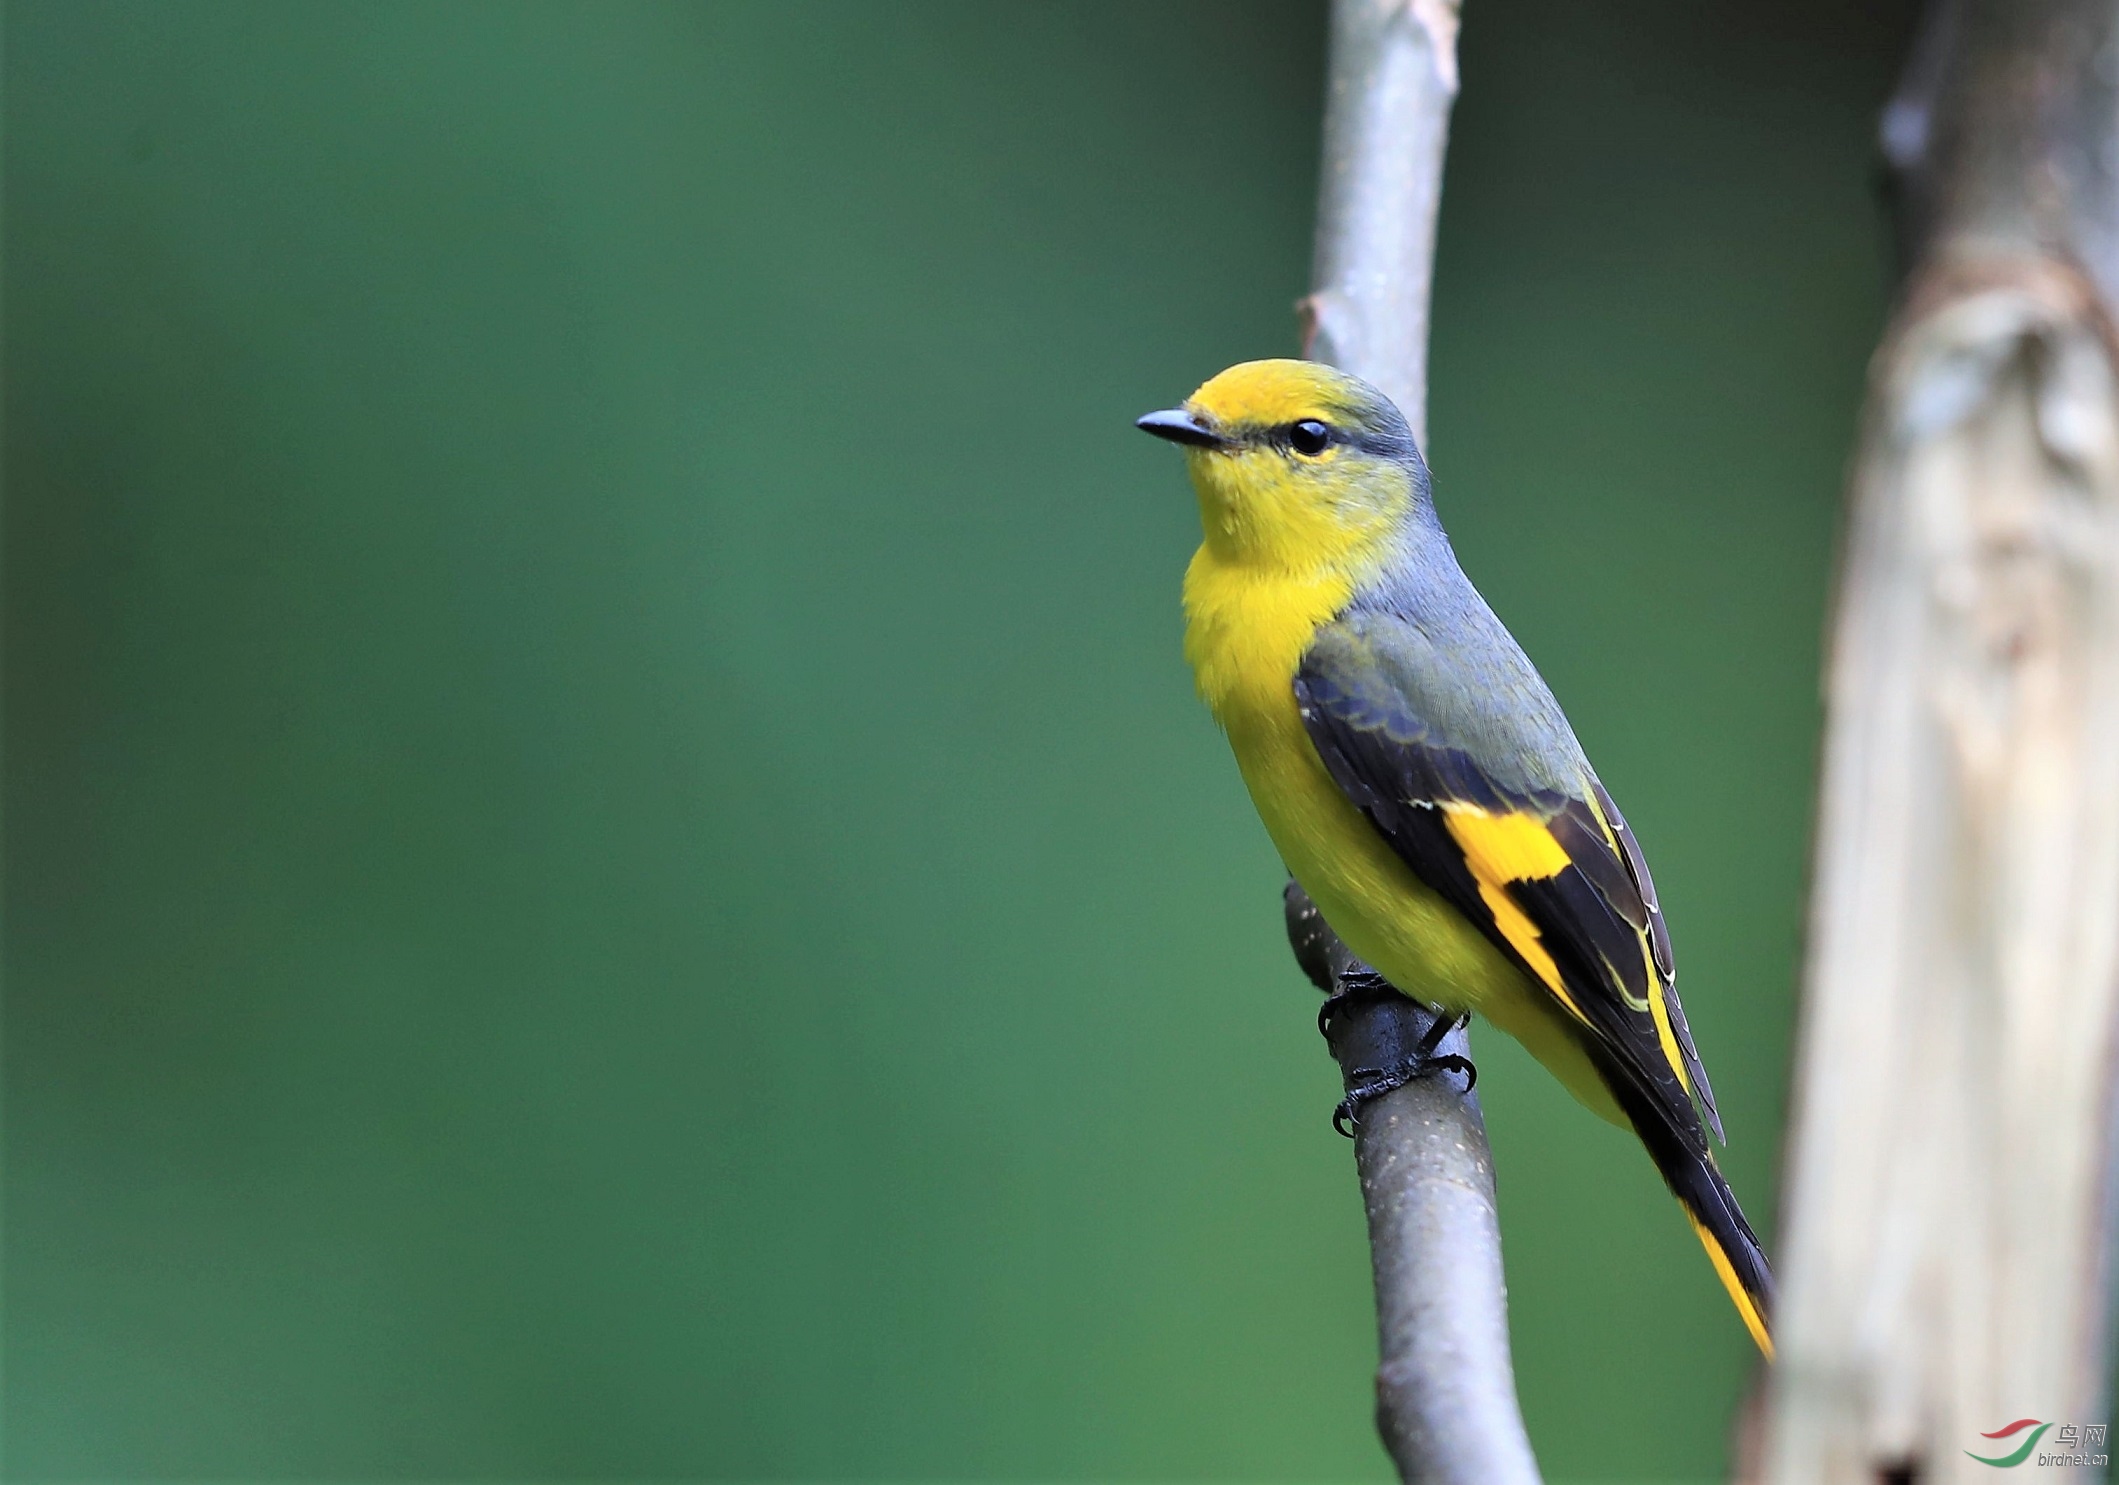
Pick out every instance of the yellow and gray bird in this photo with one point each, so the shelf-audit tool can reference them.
(1416, 774)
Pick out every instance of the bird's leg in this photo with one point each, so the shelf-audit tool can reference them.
(1358, 986)
(1366, 1084)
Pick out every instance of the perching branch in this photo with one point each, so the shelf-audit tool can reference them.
(1386, 124)
(1445, 1386)
(1944, 1254)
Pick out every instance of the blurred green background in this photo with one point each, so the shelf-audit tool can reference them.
(611, 866)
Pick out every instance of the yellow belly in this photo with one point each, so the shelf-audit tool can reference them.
(1245, 641)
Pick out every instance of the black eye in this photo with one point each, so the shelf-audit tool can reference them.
(1309, 437)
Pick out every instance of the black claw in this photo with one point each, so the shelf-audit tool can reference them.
(1357, 988)
(1371, 1083)
(1451, 1062)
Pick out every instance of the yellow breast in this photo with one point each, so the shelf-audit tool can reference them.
(1246, 633)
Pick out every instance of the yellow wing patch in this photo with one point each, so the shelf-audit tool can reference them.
(1517, 847)
(1523, 936)
(1512, 848)
(1505, 848)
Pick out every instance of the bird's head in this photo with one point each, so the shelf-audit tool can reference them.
(1297, 465)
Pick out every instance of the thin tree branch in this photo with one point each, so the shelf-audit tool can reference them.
(1386, 124)
(1445, 1386)
(1944, 1252)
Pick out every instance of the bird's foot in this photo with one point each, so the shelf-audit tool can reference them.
(1371, 1083)
(1359, 986)
(1364, 1085)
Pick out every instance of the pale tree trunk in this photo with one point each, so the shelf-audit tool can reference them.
(1945, 1218)
(1445, 1387)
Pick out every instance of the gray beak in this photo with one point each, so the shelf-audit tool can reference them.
(1180, 426)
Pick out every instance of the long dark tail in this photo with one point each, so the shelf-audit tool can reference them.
(1732, 1247)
